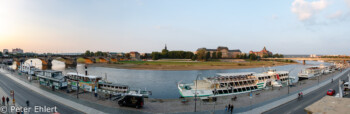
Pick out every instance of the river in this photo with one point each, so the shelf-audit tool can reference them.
(163, 84)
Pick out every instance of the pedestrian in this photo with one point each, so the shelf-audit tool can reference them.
(3, 100)
(225, 108)
(7, 100)
(232, 108)
(229, 107)
(27, 102)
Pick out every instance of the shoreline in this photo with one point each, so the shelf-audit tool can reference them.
(187, 67)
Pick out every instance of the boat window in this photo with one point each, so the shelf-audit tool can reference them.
(243, 89)
(235, 90)
(220, 91)
(231, 84)
(255, 87)
(239, 90)
(225, 91)
(230, 91)
(248, 89)
(222, 85)
(251, 88)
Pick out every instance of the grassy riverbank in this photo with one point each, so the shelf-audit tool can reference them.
(191, 65)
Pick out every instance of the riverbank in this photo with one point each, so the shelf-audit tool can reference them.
(176, 106)
(189, 65)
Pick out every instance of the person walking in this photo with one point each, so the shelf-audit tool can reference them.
(229, 107)
(3, 100)
(226, 108)
(27, 102)
(232, 108)
(7, 100)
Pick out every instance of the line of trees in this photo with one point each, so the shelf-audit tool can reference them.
(165, 54)
(89, 53)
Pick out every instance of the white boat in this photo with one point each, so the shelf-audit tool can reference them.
(222, 84)
(233, 83)
(310, 72)
(272, 78)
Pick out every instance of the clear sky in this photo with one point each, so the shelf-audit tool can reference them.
(283, 26)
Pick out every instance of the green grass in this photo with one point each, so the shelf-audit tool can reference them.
(208, 63)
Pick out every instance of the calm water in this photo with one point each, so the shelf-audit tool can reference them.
(163, 84)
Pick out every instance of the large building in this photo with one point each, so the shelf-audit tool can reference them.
(135, 55)
(17, 51)
(262, 53)
(226, 53)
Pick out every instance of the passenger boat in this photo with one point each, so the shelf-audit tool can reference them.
(51, 78)
(272, 78)
(233, 83)
(220, 85)
(119, 89)
(309, 72)
(86, 82)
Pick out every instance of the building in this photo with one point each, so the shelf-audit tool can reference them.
(313, 55)
(225, 52)
(262, 53)
(5, 51)
(134, 55)
(17, 51)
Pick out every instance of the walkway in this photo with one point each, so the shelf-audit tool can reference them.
(291, 97)
(54, 97)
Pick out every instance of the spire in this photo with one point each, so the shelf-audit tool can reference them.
(165, 47)
(264, 48)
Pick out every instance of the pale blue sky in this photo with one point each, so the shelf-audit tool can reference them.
(283, 26)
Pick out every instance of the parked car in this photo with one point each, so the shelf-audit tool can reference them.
(331, 92)
(132, 101)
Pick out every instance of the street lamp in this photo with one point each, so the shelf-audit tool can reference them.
(77, 85)
(195, 95)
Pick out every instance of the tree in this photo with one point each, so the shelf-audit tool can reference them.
(165, 53)
(207, 56)
(238, 56)
(213, 55)
(87, 53)
(252, 57)
(155, 55)
(194, 57)
(201, 55)
(219, 55)
(99, 53)
(1, 54)
(127, 55)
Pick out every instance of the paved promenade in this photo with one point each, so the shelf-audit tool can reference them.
(291, 97)
(54, 97)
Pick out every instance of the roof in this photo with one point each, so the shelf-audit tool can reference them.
(330, 105)
(211, 49)
(57, 78)
(83, 75)
(235, 74)
(236, 50)
(112, 84)
(52, 71)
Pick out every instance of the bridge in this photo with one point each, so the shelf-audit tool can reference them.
(69, 60)
(311, 59)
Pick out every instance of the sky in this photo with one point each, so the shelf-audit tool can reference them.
(70, 26)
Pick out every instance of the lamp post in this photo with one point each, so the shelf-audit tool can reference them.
(77, 85)
(195, 95)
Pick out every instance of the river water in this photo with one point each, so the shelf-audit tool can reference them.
(163, 84)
